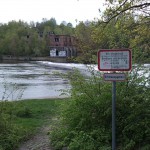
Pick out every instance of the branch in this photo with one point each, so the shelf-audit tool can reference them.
(121, 5)
(148, 13)
(129, 8)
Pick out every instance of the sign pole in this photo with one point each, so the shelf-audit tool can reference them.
(113, 115)
(114, 60)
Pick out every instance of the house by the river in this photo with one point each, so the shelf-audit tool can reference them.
(61, 45)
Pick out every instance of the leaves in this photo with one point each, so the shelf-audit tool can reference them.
(86, 118)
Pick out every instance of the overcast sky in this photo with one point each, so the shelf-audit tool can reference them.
(61, 10)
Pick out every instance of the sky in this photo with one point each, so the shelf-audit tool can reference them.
(71, 11)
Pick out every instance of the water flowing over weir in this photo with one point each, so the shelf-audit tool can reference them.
(39, 79)
(31, 81)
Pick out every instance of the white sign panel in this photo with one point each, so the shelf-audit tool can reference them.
(114, 60)
(62, 53)
(53, 53)
(114, 76)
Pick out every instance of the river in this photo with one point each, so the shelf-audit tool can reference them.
(31, 81)
(38, 80)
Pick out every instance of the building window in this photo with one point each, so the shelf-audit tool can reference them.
(56, 39)
(57, 52)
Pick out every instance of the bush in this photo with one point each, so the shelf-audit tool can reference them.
(85, 121)
(9, 137)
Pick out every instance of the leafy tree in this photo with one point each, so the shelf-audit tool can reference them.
(69, 25)
(115, 35)
(86, 45)
(140, 40)
(115, 8)
(123, 26)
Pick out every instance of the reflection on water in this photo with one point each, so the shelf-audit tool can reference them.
(29, 81)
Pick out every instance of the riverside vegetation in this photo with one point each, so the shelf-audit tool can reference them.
(84, 122)
(19, 120)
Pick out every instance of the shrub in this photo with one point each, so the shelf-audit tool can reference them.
(85, 121)
(9, 137)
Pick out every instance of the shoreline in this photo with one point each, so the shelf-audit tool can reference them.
(42, 98)
(9, 58)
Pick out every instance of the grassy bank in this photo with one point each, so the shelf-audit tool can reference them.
(21, 119)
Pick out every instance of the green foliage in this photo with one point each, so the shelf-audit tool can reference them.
(86, 46)
(24, 112)
(22, 39)
(9, 135)
(116, 8)
(85, 121)
(20, 119)
(124, 30)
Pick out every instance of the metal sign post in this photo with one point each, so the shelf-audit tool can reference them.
(114, 60)
(113, 115)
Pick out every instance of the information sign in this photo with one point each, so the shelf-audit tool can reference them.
(114, 60)
(114, 76)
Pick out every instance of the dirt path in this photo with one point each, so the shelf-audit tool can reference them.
(38, 142)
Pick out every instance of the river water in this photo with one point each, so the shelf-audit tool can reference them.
(38, 80)
(31, 81)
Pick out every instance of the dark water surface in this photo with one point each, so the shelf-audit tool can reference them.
(31, 81)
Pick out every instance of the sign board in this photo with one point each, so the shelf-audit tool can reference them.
(114, 76)
(53, 53)
(62, 53)
(114, 60)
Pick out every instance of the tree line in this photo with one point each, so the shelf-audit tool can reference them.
(23, 39)
(122, 25)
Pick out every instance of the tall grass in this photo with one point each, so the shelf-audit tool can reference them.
(21, 119)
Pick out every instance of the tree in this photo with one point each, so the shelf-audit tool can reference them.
(125, 24)
(69, 25)
(139, 41)
(115, 8)
(86, 45)
(50, 23)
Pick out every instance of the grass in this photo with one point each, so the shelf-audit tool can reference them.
(36, 112)
(24, 118)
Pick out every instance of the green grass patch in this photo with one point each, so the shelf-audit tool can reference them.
(21, 119)
(33, 110)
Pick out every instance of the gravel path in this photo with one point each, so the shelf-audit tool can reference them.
(38, 142)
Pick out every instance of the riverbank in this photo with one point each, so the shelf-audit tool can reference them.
(9, 58)
(21, 120)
